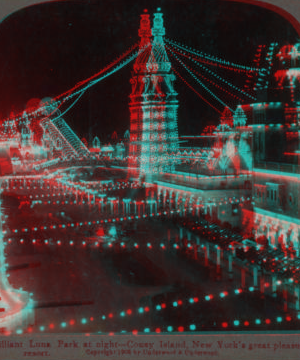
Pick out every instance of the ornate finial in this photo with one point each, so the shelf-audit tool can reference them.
(145, 27)
(158, 24)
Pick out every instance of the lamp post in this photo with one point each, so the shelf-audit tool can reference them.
(76, 192)
(101, 201)
(111, 200)
(126, 206)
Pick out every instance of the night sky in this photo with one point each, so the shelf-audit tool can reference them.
(46, 49)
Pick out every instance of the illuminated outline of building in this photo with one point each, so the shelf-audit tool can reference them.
(153, 106)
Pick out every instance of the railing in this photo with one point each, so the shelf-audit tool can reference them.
(200, 182)
(290, 168)
(202, 170)
(64, 163)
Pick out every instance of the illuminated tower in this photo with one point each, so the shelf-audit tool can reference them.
(136, 96)
(153, 106)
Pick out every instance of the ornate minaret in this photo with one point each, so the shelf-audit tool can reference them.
(153, 106)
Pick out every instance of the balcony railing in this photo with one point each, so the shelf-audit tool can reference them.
(288, 168)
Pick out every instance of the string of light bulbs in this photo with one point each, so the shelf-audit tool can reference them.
(210, 57)
(89, 85)
(70, 93)
(212, 82)
(212, 73)
(195, 91)
(200, 82)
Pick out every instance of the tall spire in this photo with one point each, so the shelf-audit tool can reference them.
(145, 29)
(153, 105)
(158, 30)
(145, 43)
(158, 60)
